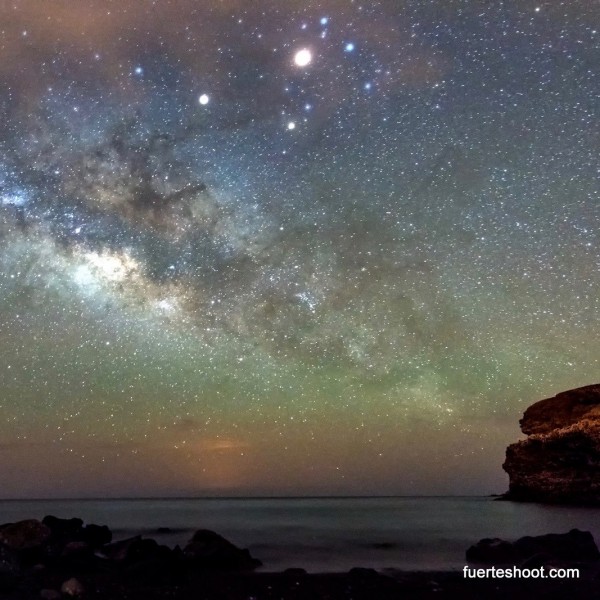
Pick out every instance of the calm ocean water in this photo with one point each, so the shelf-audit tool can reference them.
(326, 534)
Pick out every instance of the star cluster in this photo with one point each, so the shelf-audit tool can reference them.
(312, 247)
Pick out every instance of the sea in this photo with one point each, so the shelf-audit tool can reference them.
(325, 534)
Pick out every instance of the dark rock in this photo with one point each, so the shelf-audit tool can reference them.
(72, 587)
(574, 546)
(122, 549)
(72, 530)
(9, 561)
(492, 551)
(48, 594)
(158, 570)
(9, 568)
(362, 573)
(77, 549)
(560, 460)
(69, 529)
(536, 561)
(295, 572)
(96, 535)
(24, 535)
(136, 549)
(76, 557)
(209, 550)
(145, 560)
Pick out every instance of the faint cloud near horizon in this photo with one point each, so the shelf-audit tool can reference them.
(215, 444)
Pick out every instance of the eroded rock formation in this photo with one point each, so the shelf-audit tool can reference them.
(559, 462)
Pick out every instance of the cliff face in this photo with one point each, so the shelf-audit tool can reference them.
(560, 460)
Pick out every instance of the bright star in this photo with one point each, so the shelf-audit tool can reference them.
(303, 57)
(291, 125)
(349, 47)
(324, 20)
(204, 99)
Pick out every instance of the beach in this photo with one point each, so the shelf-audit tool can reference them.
(292, 548)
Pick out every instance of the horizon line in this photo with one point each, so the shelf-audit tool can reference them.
(308, 497)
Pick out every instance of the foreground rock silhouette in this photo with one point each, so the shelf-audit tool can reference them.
(559, 462)
(60, 558)
(572, 547)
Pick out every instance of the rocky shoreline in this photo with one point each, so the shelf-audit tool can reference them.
(54, 559)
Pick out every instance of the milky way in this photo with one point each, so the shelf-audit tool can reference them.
(310, 248)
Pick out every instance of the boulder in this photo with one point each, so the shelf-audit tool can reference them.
(24, 535)
(96, 535)
(9, 561)
(72, 587)
(492, 551)
(209, 550)
(76, 557)
(65, 531)
(9, 568)
(77, 549)
(68, 529)
(143, 559)
(560, 460)
(136, 549)
(574, 546)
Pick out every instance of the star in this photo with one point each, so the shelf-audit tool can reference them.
(303, 57)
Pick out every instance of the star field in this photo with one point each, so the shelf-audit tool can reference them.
(312, 247)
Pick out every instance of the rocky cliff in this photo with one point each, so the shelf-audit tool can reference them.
(559, 462)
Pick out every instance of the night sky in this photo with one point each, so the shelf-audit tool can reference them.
(291, 247)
